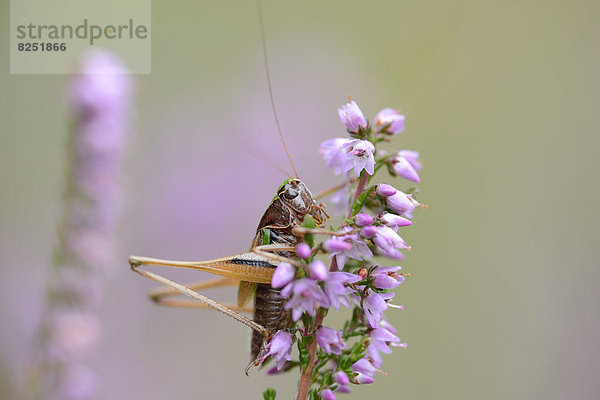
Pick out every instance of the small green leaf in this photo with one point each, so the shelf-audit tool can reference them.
(360, 201)
(309, 222)
(313, 395)
(269, 394)
(304, 356)
(266, 237)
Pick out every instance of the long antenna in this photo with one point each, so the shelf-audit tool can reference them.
(266, 59)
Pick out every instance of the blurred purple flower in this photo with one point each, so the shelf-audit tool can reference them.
(330, 340)
(391, 120)
(77, 382)
(304, 295)
(359, 156)
(340, 200)
(73, 334)
(352, 117)
(99, 103)
(280, 348)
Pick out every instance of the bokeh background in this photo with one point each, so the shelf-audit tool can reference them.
(502, 101)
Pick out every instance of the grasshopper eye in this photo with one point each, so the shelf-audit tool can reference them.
(290, 194)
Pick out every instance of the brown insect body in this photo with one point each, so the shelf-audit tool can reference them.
(288, 209)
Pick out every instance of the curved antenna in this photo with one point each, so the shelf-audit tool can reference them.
(266, 59)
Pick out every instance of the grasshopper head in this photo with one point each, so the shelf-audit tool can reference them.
(296, 195)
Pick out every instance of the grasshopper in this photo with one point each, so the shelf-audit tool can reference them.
(278, 234)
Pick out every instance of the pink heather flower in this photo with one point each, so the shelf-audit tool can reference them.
(387, 277)
(412, 157)
(334, 153)
(391, 119)
(402, 203)
(327, 394)
(380, 338)
(284, 273)
(386, 325)
(363, 219)
(364, 366)
(352, 117)
(341, 378)
(401, 167)
(304, 295)
(336, 288)
(343, 389)
(303, 250)
(363, 379)
(374, 306)
(393, 220)
(358, 248)
(336, 243)
(359, 156)
(389, 243)
(318, 270)
(330, 340)
(368, 232)
(385, 190)
(279, 347)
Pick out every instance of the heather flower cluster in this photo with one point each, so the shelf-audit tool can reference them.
(332, 359)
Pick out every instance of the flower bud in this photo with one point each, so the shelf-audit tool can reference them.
(341, 378)
(336, 244)
(284, 273)
(363, 219)
(327, 394)
(303, 250)
(385, 190)
(318, 270)
(352, 117)
(368, 231)
(393, 220)
(391, 119)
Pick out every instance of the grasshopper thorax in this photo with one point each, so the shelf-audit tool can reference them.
(294, 194)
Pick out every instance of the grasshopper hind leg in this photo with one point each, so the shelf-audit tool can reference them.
(136, 265)
(164, 295)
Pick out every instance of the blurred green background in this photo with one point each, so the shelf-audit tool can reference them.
(502, 102)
